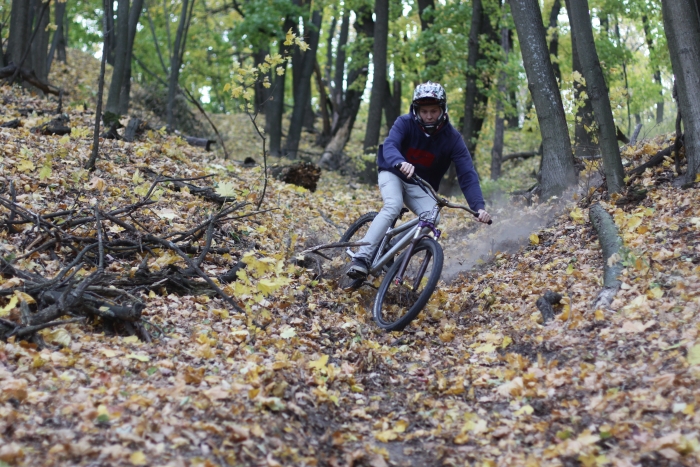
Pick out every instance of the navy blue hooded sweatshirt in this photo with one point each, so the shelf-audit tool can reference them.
(431, 156)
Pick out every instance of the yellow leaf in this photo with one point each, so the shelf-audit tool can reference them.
(24, 297)
(486, 348)
(526, 409)
(288, 333)
(506, 342)
(226, 189)
(138, 458)
(7, 308)
(577, 215)
(570, 269)
(461, 439)
(400, 426)
(386, 436)
(58, 336)
(289, 38)
(137, 178)
(140, 358)
(131, 340)
(656, 292)
(599, 315)
(45, 172)
(268, 286)
(633, 223)
(694, 355)
(534, 239)
(697, 178)
(26, 166)
(319, 364)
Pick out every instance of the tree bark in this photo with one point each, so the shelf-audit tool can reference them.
(432, 57)
(657, 73)
(122, 43)
(582, 30)
(275, 108)
(125, 95)
(175, 63)
(58, 42)
(683, 34)
(557, 158)
(20, 30)
(302, 93)
(554, 42)
(40, 45)
(262, 94)
(392, 102)
(584, 146)
(376, 100)
(110, 42)
(340, 56)
(499, 127)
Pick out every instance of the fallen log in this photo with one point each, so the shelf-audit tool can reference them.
(610, 243)
(657, 158)
(200, 142)
(57, 126)
(14, 124)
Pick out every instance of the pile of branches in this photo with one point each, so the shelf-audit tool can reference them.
(84, 289)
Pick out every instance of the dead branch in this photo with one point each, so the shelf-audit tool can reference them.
(326, 246)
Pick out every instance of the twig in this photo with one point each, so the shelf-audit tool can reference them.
(100, 240)
(25, 331)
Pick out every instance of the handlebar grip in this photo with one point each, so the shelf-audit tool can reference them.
(476, 214)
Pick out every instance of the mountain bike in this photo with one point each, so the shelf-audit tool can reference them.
(411, 275)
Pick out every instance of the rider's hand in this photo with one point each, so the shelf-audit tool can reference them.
(484, 216)
(407, 169)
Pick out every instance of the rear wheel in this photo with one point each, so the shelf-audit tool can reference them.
(397, 304)
(355, 233)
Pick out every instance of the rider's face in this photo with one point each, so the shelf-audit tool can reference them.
(429, 113)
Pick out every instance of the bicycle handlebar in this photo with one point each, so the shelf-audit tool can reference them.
(443, 201)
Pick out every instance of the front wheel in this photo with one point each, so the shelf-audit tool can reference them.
(397, 304)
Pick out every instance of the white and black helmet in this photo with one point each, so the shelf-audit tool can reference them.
(429, 94)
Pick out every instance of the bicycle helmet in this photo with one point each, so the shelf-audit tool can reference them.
(429, 94)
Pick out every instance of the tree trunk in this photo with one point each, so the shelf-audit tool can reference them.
(337, 90)
(122, 38)
(376, 100)
(110, 42)
(348, 103)
(125, 95)
(275, 108)
(657, 73)
(302, 92)
(432, 57)
(58, 42)
(392, 103)
(328, 69)
(557, 159)
(20, 30)
(499, 129)
(683, 33)
(597, 90)
(175, 64)
(262, 94)
(554, 42)
(584, 146)
(40, 46)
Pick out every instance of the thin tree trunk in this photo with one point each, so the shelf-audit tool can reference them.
(262, 94)
(499, 128)
(584, 146)
(683, 33)
(624, 74)
(554, 42)
(557, 159)
(328, 69)
(582, 29)
(302, 93)
(323, 104)
(432, 56)
(58, 41)
(392, 103)
(40, 45)
(125, 95)
(101, 84)
(376, 100)
(175, 64)
(110, 44)
(275, 109)
(122, 37)
(340, 56)
(657, 73)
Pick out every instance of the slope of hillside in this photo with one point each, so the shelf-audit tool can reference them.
(300, 375)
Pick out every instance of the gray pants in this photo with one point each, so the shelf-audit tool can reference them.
(395, 192)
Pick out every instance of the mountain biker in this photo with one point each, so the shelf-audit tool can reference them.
(425, 143)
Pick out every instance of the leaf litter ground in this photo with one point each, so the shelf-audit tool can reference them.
(303, 377)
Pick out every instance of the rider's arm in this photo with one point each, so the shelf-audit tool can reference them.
(392, 143)
(467, 177)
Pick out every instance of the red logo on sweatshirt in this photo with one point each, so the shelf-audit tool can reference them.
(420, 157)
